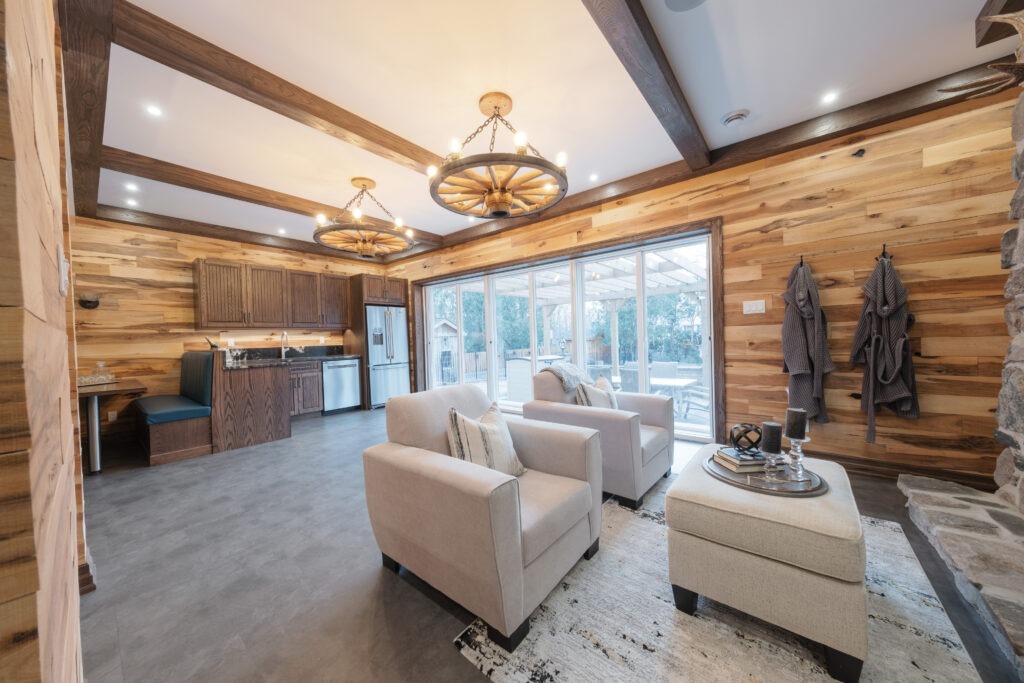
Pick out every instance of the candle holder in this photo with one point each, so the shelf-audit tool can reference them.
(796, 460)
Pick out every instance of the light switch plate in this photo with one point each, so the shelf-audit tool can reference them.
(111, 416)
(750, 307)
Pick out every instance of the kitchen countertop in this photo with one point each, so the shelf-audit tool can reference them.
(274, 362)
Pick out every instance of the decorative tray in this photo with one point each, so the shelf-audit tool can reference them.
(779, 486)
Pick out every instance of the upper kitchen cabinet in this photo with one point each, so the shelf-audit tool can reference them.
(377, 289)
(233, 295)
(304, 300)
(334, 301)
(236, 295)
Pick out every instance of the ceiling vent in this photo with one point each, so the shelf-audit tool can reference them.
(735, 118)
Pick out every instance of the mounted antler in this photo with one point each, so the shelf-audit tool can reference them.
(1011, 73)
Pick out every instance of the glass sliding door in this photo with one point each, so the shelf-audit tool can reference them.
(678, 332)
(552, 296)
(610, 320)
(513, 361)
(443, 340)
(474, 333)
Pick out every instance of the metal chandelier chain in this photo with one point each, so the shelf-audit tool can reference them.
(492, 120)
(358, 201)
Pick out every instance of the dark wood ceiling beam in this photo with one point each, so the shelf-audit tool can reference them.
(219, 232)
(163, 171)
(150, 36)
(986, 32)
(85, 33)
(628, 30)
(880, 111)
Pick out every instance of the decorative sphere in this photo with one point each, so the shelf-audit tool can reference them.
(745, 438)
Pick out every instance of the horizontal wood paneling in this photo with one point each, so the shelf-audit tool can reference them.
(934, 188)
(146, 316)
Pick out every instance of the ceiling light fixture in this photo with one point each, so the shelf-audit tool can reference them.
(282, 231)
(353, 232)
(131, 202)
(498, 184)
(829, 97)
(154, 110)
(593, 177)
(734, 118)
(131, 187)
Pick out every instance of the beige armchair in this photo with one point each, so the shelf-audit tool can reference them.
(636, 439)
(493, 543)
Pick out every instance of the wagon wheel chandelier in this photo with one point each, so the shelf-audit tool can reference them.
(498, 184)
(351, 231)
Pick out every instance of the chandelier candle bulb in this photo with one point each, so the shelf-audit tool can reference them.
(771, 438)
(561, 159)
(796, 423)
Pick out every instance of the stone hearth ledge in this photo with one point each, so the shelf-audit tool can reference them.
(981, 537)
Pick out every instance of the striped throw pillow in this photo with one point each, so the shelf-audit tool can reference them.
(591, 395)
(484, 441)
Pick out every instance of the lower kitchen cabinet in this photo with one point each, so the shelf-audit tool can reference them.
(307, 387)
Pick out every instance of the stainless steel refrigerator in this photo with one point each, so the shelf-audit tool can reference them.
(387, 343)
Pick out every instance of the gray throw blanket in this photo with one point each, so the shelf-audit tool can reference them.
(568, 374)
(881, 342)
(805, 344)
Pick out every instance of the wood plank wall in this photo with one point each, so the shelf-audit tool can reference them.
(935, 188)
(39, 612)
(146, 316)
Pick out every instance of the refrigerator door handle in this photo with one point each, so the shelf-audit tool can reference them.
(387, 334)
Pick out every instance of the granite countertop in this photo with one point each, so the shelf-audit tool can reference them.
(245, 359)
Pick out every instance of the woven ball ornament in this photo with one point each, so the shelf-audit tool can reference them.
(745, 438)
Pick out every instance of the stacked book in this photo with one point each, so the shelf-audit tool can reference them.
(732, 459)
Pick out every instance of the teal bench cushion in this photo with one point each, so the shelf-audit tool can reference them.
(170, 408)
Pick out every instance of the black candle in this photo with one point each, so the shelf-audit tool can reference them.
(771, 438)
(796, 423)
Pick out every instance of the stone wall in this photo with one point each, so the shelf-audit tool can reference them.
(1009, 474)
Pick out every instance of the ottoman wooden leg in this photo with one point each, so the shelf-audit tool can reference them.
(841, 666)
(686, 600)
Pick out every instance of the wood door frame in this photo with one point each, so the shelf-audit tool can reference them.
(711, 227)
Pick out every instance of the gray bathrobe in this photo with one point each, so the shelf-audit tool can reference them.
(805, 344)
(881, 343)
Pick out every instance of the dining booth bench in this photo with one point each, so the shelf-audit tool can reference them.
(177, 426)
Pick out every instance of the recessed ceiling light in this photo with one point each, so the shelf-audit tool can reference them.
(829, 97)
(593, 177)
(154, 110)
(131, 187)
(471, 219)
(282, 231)
(130, 202)
(683, 5)
(735, 118)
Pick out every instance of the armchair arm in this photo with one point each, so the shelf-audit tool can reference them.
(563, 450)
(657, 411)
(452, 523)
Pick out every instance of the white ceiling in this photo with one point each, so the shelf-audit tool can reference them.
(418, 69)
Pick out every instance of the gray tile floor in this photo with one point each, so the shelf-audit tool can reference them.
(259, 565)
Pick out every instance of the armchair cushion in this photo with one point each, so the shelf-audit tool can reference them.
(484, 441)
(591, 395)
(549, 506)
(653, 440)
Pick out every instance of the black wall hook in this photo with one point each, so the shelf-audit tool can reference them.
(801, 259)
(884, 254)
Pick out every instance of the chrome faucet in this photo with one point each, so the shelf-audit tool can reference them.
(284, 342)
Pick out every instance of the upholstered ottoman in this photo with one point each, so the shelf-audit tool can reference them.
(797, 563)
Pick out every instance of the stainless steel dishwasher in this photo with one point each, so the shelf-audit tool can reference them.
(341, 384)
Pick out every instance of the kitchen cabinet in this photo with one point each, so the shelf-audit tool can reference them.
(306, 387)
(334, 301)
(377, 289)
(304, 300)
(236, 295)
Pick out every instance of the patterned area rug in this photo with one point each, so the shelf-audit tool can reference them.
(613, 618)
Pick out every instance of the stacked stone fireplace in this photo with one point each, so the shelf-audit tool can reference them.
(981, 535)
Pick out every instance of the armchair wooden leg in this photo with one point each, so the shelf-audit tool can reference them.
(389, 563)
(592, 550)
(686, 600)
(841, 666)
(508, 643)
